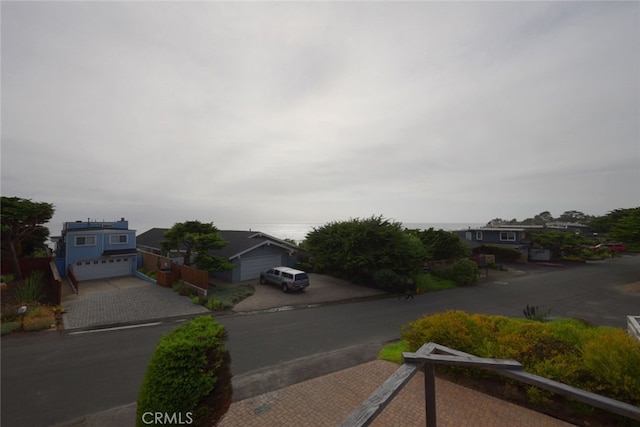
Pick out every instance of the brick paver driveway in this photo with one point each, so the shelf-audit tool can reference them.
(123, 300)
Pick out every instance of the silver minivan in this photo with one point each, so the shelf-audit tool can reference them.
(289, 279)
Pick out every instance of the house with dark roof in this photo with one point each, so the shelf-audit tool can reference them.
(507, 237)
(250, 251)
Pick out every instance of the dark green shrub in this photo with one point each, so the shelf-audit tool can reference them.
(388, 280)
(184, 289)
(358, 248)
(7, 278)
(463, 272)
(189, 375)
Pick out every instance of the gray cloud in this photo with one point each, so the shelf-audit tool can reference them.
(312, 112)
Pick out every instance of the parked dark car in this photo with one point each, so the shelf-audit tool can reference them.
(288, 279)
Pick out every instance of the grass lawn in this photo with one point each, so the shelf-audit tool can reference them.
(430, 283)
(393, 352)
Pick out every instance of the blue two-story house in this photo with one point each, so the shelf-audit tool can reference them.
(97, 249)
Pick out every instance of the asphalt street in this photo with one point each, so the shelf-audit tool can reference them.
(52, 377)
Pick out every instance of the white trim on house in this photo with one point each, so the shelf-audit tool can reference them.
(265, 243)
(284, 242)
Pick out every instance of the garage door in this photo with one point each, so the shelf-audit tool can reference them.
(100, 268)
(250, 268)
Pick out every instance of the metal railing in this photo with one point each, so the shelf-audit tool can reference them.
(432, 354)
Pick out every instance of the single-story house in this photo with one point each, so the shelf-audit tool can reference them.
(96, 249)
(250, 251)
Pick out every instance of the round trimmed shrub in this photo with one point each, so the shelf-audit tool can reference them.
(188, 379)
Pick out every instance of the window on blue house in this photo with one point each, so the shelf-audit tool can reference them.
(478, 235)
(85, 240)
(118, 239)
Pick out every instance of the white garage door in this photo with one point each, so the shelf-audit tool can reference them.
(250, 268)
(100, 268)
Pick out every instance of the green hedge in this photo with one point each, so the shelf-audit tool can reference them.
(463, 272)
(602, 360)
(188, 377)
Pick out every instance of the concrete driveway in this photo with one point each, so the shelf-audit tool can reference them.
(120, 301)
(322, 289)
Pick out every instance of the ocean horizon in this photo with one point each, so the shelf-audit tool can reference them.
(299, 231)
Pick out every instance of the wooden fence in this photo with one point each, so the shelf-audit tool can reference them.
(169, 272)
(432, 354)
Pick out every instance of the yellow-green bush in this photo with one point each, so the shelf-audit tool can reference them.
(603, 360)
(455, 328)
(613, 362)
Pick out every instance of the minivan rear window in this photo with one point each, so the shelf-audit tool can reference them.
(301, 276)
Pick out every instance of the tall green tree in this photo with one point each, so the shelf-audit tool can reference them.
(559, 241)
(574, 216)
(603, 224)
(358, 248)
(22, 221)
(441, 244)
(194, 240)
(627, 228)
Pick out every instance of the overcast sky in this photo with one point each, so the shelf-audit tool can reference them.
(231, 113)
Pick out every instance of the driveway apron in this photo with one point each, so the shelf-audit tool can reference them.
(124, 300)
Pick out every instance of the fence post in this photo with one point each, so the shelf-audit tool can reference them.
(430, 394)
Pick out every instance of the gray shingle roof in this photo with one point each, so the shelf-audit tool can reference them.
(239, 241)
